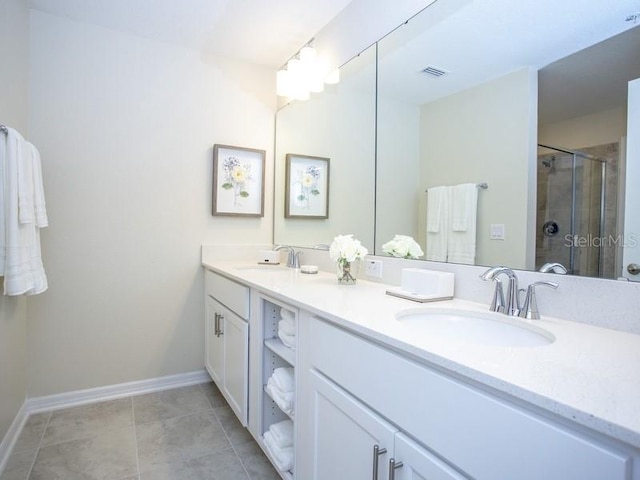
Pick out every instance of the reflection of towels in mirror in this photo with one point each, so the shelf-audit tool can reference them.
(437, 219)
(461, 240)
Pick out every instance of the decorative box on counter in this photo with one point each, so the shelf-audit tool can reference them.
(422, 285)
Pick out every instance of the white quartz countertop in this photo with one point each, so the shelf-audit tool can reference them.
(589, 375)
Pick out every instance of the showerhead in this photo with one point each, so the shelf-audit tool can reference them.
(549, 162)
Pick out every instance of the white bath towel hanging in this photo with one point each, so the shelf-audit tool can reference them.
(437, 223)
(461, 239)
(20, 257)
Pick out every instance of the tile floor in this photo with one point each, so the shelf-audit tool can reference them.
(187, 433)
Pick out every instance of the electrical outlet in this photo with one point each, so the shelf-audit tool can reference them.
(374, 268)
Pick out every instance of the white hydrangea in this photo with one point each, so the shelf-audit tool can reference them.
(345, 248)
(402, 246)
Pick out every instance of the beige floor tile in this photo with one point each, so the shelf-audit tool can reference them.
(32, 432)
(168, 442)
(169, 404)
(232, 427)
(223, 465)
(255, 462)
(108, 456)
(86, 421)
(19, 465)
(213, 395)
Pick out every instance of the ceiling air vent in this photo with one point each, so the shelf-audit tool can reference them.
(434, 71)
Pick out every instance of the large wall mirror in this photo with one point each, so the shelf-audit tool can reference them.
(338, 124)
(504, 97)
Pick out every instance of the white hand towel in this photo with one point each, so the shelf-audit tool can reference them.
(287, 315)
(284, 401)
(437, 223)
(284, 379)
(282, 433)
(282, 457)
(461, 240)
(26, 196)
(288, 340)
(437, 198)
(463, 206)
(288, 328)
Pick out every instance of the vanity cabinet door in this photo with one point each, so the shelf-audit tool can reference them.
(236, 363)
(214, 343)
(227, 355)
(345, 434)
(413, 462)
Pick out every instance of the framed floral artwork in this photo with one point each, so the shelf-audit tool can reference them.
(238, 181)
(306, 187)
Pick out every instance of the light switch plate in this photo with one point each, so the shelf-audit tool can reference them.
(496, 231)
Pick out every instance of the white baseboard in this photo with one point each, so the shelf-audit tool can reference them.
(110, 392)
(11, 437)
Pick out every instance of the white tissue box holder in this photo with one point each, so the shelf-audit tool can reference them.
(422, 285)
(268, 257)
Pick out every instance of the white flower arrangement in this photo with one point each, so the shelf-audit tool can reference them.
(346, 249)
(403, 246)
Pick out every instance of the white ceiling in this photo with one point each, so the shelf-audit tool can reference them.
(263, 32)
(485, 39)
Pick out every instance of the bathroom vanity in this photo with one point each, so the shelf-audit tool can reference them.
(376, 397)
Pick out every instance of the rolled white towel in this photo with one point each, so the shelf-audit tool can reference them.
(284, 379)
(288, 340)
(286, 327)
(287, 315)
(284, 400)
(282, 433)
(282, 457)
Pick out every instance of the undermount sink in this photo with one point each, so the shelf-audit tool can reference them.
(480, 328)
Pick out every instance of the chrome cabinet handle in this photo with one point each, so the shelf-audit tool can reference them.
(633, 268)
(377, 451)
(220, 332)
(393, 466)
(216, 325)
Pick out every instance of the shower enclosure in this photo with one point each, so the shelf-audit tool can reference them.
(576, 205)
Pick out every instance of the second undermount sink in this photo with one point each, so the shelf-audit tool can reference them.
(479, 328)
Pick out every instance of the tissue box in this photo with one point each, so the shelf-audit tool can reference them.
(423, 285)
(268, 257)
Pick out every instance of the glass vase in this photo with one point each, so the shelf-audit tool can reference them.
(347, 272)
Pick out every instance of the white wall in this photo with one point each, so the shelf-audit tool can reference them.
(126, 127)
(599, 128)
(14, 72)
(484, 135)
(398, 162)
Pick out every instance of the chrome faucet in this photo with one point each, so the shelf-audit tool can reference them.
(293, 258)
(508, 305)
(530, 306)
(553, 267)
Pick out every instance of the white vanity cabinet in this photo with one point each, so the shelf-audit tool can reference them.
(352, 441)
(227, 339)
(443, 427)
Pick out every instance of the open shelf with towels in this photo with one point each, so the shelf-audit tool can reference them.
(279, 330)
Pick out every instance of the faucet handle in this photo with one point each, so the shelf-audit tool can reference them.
(530, 307)
(497, 302)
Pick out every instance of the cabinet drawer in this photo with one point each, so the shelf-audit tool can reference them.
(484, 436)
(232, 295)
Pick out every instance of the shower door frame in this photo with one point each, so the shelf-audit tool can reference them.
(601, 226)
